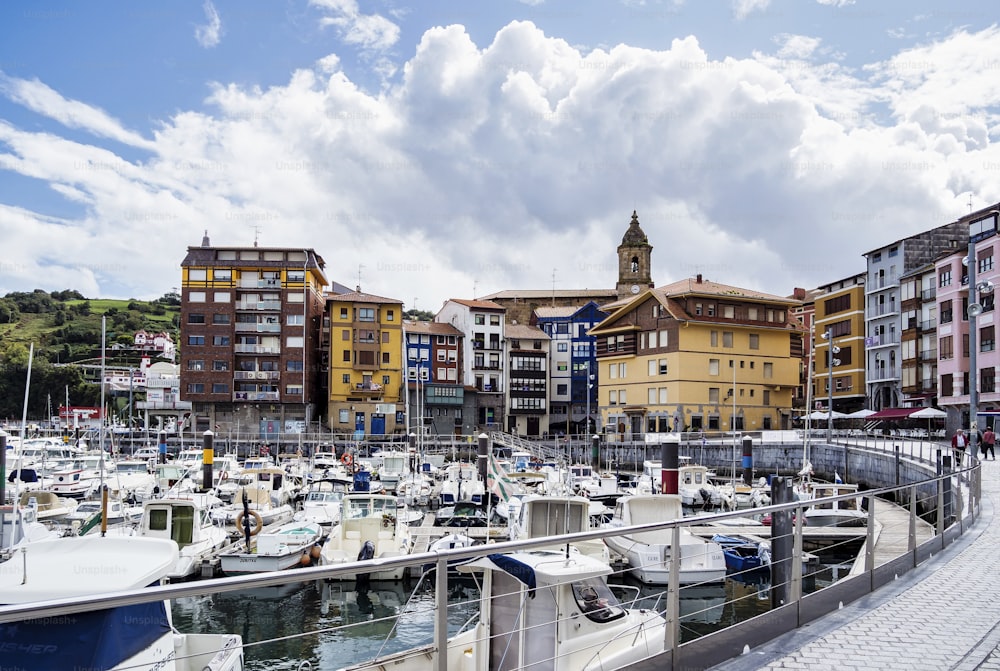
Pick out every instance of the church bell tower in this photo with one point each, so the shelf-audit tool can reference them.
(634, 261)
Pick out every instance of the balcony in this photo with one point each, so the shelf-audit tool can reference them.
(928, 294)
(268, 306)
(876, 283)
(876, 311)
(256, 375)
(256, 349)
(928, 354)
(257, 327)
(368, 389)
(255, 283)
(881, 374)
(928, 325)
(256, 396)
(163, 405)
(883, 340)
(162, 382)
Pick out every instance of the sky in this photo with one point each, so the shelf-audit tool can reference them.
(452, 149)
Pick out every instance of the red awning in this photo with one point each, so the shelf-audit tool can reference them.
(893, 413)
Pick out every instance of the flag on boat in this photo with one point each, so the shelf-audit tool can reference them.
(836, 478)
(497, 481)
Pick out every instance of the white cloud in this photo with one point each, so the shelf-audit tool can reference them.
(836, 3)
(743, 8)
(491, 165)
(209, 34)
(797, 46)
(368, 31)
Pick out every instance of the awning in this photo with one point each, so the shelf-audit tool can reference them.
(893, 413)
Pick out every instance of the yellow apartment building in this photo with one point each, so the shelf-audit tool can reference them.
(366, 364)
(840, 313)
(695, 355)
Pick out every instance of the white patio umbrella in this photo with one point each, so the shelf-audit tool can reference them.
(864, 413)
(929, 414)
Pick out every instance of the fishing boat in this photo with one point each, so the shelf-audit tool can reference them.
(542, 609)
(540, 515)
(263, 510)
(48, 506)
(650, 553)
(289, 545)
(843, 513)
(143, 635)
(323, 502)
(370, 527)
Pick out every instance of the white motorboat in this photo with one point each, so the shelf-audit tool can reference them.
(844, 513)
(694, 484)
(650, 553)
(549, 610)
(263, 511)
(188, 522)
(133, 480)
(462, 483)
(291, 544)
(370, 527)
(323, 502)
(49, 507)
(539, 516)
(392, 467)
(86, 518)
(92, 565)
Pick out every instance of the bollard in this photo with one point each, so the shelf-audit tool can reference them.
(747, 460)
(207, 459)
(595, 452)
(669, 459)
(482, 462)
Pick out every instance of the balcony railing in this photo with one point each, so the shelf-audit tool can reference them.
(878, 374)
(928, 294)
(257, 328)
(256, 349)
(928, 325)
(876, 282)
(929, 354)
(163, 405)
(255, 283)
(882, 310)
(256, 396)
(258, 305)
(372, 388)
(256, 375)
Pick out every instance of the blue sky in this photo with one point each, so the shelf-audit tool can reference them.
(446, 148)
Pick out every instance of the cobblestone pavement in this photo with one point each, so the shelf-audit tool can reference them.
(945, 614)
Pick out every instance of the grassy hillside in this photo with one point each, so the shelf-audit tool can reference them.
(65, 327)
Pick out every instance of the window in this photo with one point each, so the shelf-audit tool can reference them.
(296, 275)
(562, 389)
(294, 341)
(662, 363)
(697, 309)
(196, 364)
(729, 311)
(196, 318)
(713, 366)
(944, 309)
(385, 357)
(652, 367)
(479, 320)
(221, 297)
(768, 369)
(754, 341)
(613, 397)
(947, 385)
(347, 355)
(562, 366)
(946, 348)
(343, 313)
(651, 395)
(346, 378)
(944, 277)
(987, 341)
(713, 394)
(562, 347)
(663, 395)
(714, 338)
(613, 371)
(293, 366)
(220, 340)
(293, 389)
(222, 274)
(366, 314)
(196, 340)
(710, 309)
(196, 297)
(752, 314)
(220, 365)
(295, 320)
(987, 379)
(727, 338)
(985, 257)
(495, 320)
(767, 397)
(220, 388)
(220, 318)
(390, 315)
(196, 388)
(621, 396)
(837, 304)
(197, 274)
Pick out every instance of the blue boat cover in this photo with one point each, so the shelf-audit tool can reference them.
(96, 640)
(519, 570)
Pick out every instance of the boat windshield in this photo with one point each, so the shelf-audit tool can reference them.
(596, 601)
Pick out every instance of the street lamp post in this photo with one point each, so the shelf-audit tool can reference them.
(830, 363)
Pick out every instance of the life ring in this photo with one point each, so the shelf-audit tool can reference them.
(347, 459)
(256, 527)
(224, 476)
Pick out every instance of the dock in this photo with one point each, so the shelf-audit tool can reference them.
(892, 535)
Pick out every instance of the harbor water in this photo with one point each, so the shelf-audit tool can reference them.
(319, 625)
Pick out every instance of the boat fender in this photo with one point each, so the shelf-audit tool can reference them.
(388, 521)
(255, 527)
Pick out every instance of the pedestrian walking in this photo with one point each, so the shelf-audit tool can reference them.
(958, 444)
(989, 442)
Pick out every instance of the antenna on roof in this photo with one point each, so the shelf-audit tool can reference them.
(360, 266)
(553, 287)
(970, 202)
(256, 233)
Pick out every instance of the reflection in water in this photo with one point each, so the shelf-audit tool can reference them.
(342, 626)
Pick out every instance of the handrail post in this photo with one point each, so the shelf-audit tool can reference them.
(441, 614)
(870, 541)
(672, 633)
(911, 541)
(795, 593)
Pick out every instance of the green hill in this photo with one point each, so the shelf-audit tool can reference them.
(65, 328)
